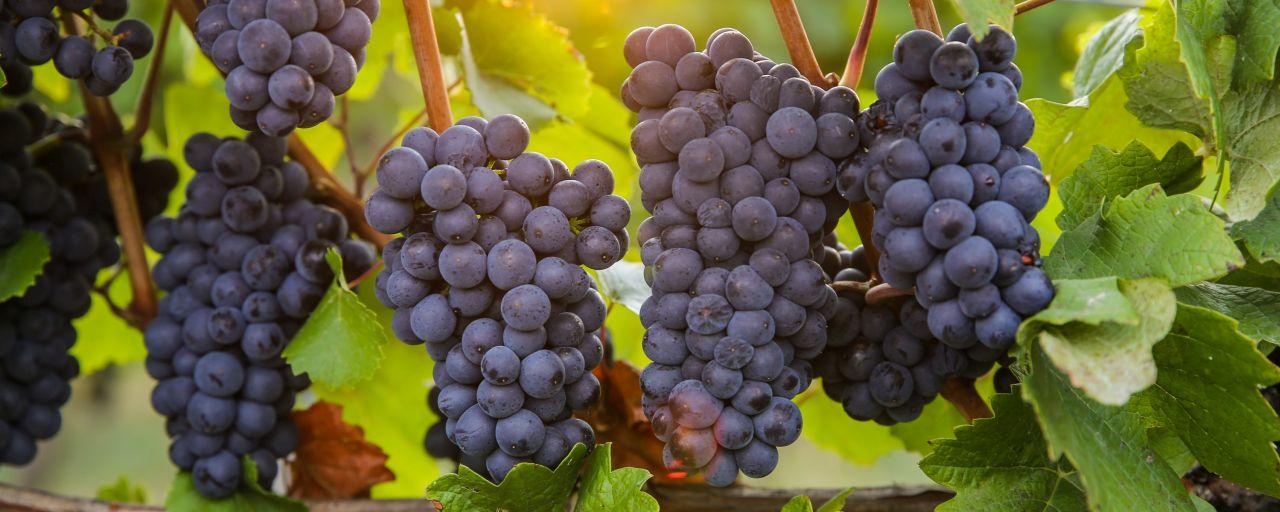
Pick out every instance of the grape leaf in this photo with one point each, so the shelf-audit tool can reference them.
(184, 497)
(1207, 392)
(391, 408)
(1107, 445)
(1202, 24)
(333, 459)
(1257, 309)
(1261, 235)
(122, 490)
(1104, 54)
(1107, 174)
(605, 489)
(516, 61)
(1002, 463)
(1147, 234)
(978, 13)
(1066, 133)
(1251, 118)
(341, 343)
(1157, 82)
(21, 263)
(827, 426)
(1099, 333)
(528, 487)
(802, 503)
(624, 284)
(1182, 79)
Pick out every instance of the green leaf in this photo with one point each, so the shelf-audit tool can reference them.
(21, 263)
(1066, 133)
(123, 490)
(605, 489)
(624, 284)
(1107, 445)
(1251, 119)
(1158, 85)
(1002, 463)
(1254, 274)
(183, 496)
(528, 487)
(799, 503)
(341, 343)
(1207, 393)
(516, 61)
(1108, 174)
(390, 408)
(978, 13)
(827, 426)
(4, 80)
(936, 422)
(1261, 235)
(1099, 333)
(836, 503)
(1202, 24)
(1147, 234)
(1105, 52)
(1257, 309)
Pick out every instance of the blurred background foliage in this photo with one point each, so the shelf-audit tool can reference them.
(558, 64)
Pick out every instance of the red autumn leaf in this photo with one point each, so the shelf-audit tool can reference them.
(333, 459)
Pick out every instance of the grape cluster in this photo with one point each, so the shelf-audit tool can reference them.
(243, 265)
(954, 187)
(285, 60)
(738, 158)
(489, 276)
(50, 184)
(882, 363)
(29, 36)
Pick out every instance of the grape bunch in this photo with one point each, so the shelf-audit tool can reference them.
(243, 265)
(738, 159)
(49, 184)
(882, 363)
(489, 276)
(285, 60)
(954, 187)
(30, 36)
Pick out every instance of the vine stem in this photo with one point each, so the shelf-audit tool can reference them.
(329, 189)
(111, 148)
(858, 54)
(426, 52)
(864, 220)
(925, 15)
(961, 393)
(797, 41)
(142, 121)
(1029, 5)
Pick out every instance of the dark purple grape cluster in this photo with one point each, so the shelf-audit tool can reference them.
(286, 60)
(30, 36)
(738, 159)
(489, 276)
(954, 187)
(243, 266)
(882, 364)
(50, 184)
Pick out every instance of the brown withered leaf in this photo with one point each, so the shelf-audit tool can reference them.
(333, 459)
